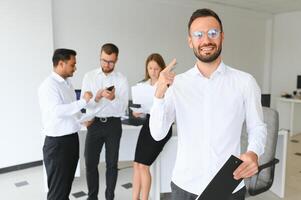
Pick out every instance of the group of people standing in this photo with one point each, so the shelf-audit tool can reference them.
(104, 95)
(209, 103)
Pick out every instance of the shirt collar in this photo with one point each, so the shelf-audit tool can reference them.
(149, 82)
(59, 78)
(221, 69)
(100, 72)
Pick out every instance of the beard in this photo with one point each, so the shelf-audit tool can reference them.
(107, 70)
(66, 75)
(207, 58)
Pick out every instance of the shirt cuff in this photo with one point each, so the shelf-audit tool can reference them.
(82, 103)
(158, 101)
(113, 101)
(255, 149)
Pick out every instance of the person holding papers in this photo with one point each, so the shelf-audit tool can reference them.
(210, 102)
(147, 149)
(60, 115)
(110, 89)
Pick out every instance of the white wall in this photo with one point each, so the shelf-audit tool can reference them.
(286, 60)
(140, 27)
(26, 48)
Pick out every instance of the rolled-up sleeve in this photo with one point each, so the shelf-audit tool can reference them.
(52, 102)
(120, 102)
(256, 128)
(162, 115)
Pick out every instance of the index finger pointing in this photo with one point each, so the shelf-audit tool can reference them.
(171, 65)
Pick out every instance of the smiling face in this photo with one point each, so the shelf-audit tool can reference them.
(206, 48)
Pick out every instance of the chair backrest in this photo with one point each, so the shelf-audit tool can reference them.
(265, 178)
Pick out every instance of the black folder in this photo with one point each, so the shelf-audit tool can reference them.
(223, 183)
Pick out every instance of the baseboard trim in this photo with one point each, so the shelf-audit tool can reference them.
(21, 166)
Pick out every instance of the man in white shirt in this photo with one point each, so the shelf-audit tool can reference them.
(110, 89)
(209, 103)
(60, 114)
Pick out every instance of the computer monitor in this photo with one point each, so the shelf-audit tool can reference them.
(133, 120)
(266, 100)
(77, 92)
(299, 82)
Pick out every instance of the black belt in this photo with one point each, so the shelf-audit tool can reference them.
(63, 136)
(105, 119)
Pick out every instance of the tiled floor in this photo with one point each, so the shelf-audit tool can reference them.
(34, 189)
(28, 184)
(293, 175)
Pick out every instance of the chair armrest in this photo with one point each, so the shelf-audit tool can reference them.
(266, 165)
(252, 190)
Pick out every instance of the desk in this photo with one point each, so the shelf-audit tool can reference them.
(127, 147)
(163, 167)
(289, 110)
(278, 186)
(126, 150)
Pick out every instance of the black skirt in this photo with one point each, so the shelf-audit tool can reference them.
(148, 149)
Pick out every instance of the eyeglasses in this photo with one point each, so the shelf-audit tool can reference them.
(109, 62)
(212, 34)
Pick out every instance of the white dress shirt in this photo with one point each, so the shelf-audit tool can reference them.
(59, 108)
(209, 113)
(96, 80)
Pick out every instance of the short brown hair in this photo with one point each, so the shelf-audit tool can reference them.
(110, 48)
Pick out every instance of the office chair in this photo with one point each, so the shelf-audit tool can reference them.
(263, 180)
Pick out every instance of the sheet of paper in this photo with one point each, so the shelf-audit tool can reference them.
(143, 94)
(138, 110)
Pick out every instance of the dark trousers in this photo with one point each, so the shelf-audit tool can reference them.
(60, 155)
(179, 194)
(109, 134)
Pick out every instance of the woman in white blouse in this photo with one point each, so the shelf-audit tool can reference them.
(147, 149)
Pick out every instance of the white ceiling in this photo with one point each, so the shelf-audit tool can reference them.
(268, 6)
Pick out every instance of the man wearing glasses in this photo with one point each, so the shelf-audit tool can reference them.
(210, 102)
(110, 89)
